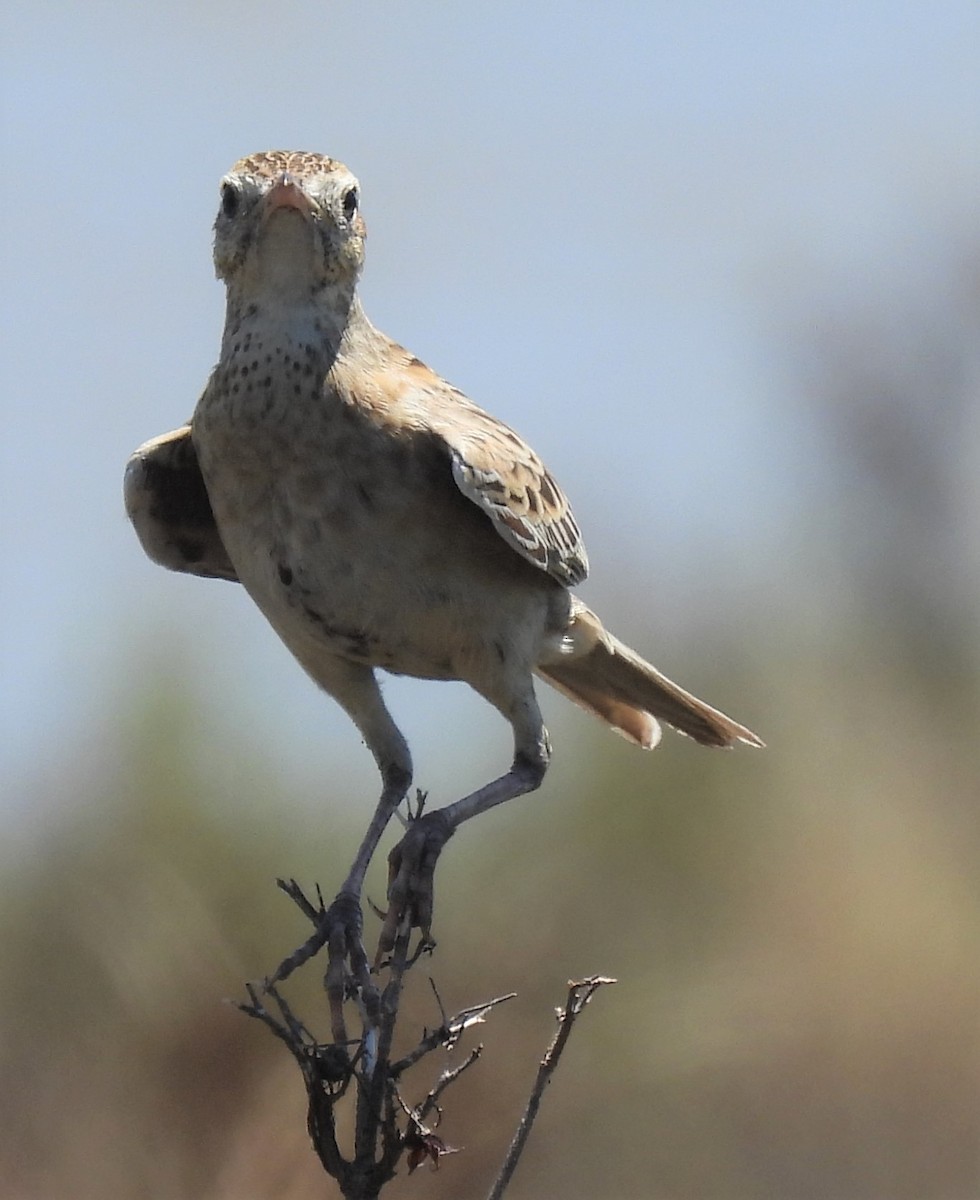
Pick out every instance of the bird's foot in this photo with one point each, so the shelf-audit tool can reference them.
(411, 867)
(348, 974)
(339, 927)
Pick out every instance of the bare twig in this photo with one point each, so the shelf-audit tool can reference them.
(314, 943)
(449, 1033)
(579, 994)
(381, 1133)
(385, 1127)
(374, 1106)
(446, 1079)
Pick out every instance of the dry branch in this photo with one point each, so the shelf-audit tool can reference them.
(579, 994)
(386, 1128)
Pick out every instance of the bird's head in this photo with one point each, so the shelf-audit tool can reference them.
(290, 222)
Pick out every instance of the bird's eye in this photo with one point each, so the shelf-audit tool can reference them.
(350, 203)
(229, 199)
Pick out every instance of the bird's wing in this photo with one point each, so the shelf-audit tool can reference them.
(168, 505)
(501, 474)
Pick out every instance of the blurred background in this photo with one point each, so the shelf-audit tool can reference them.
(720, 264)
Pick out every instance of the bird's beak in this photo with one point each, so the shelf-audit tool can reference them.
(287, 193)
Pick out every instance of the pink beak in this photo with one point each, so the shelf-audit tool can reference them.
(287, 193)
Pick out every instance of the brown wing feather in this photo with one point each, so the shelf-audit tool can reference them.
(491, 465)
(498, 471)
(168, 504)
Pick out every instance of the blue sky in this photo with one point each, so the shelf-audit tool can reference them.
(599, 221)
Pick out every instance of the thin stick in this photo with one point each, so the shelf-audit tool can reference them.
(579, 994)
(448, 1033)
(446, 1079)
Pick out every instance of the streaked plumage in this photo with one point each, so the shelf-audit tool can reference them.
(376, 515)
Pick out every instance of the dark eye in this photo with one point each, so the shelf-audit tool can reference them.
(229, 199)
(350, 203)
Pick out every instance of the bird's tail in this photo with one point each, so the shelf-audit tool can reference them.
(601, 674)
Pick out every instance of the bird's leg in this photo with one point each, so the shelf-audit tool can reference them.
(341, 924)
(411, 864)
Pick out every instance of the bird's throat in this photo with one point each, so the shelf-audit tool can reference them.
(285, 263)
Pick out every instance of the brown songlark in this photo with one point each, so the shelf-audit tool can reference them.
(378, 518)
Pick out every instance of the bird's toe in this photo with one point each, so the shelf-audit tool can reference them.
(411, 871)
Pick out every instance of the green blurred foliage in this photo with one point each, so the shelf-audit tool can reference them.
(795, 931)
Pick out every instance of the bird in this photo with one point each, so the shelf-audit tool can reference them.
(380, 520)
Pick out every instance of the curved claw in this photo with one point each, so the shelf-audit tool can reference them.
(411, 868)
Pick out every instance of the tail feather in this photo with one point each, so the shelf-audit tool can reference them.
(601, 674)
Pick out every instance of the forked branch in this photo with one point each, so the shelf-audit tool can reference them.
(579, 994)
(386, 1127)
